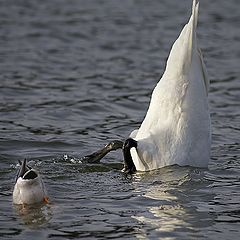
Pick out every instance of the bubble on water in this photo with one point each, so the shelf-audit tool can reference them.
(72, 160)
(14, 166)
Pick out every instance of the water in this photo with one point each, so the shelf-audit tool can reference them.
(75, 75)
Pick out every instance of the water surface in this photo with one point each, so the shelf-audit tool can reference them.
(75, 75)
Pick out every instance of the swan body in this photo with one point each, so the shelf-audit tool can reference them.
(29, 188)
(176, 128)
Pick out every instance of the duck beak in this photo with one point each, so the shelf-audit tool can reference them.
(129, 166)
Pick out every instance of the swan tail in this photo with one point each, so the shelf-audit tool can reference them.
(180, 57)
(195, 48)
(204, 71)
(194, 17)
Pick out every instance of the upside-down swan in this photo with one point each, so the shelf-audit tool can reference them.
(176, 128)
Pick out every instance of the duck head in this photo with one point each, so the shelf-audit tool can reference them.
(129, 166)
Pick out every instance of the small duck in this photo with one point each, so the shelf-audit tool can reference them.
(29, 187)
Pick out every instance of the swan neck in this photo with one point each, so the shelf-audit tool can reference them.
(129, 166)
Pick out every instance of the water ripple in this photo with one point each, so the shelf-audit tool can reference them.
(78, 74)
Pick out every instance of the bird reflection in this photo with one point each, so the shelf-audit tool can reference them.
(179, 200)
(34, 215)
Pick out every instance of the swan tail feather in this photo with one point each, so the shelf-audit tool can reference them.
(204, 71)
(195, 8)
(180, 57)
(194, 24)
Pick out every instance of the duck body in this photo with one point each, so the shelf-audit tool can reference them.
(176, 128)
(29, 187)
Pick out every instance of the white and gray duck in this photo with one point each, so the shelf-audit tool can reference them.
(29, 187)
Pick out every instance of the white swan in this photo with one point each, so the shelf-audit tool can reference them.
(176, 128)
(29, 188)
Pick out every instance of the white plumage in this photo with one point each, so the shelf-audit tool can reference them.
(29, 188)
(176, 128)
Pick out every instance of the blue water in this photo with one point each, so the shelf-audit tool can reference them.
(75, 75)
